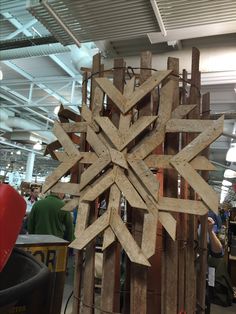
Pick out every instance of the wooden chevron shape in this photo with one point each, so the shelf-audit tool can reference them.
(200, 186)
(181, 111)
(145, 176)
(189, 126)
(119, 138)
(125, 104)
(68, 188)
(146, 146)
(92, 171)
(129, 191)
(59, 172)
(114, 202)
(65, 140)
(202, 141)
(163, 161)
(99, 186)
(95, 142)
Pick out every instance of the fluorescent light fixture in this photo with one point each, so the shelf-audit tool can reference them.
(18, 152)
(231, 154)
(37, 146)
(229, 174)
(56, 109)
(226, 183)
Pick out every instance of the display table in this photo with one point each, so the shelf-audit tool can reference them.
(52, 251)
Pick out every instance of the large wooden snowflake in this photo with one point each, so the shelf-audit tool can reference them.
(122, 167)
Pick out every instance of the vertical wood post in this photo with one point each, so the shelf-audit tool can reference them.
(138, 285)
(201, 277)
(194, 98)
(110, 298)
(170, 254)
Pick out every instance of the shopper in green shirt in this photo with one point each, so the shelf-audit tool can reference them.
(47, 217)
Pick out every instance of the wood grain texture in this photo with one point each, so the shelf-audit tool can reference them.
(181, 111)
(188, 126)
(199, 185)
(163, 161)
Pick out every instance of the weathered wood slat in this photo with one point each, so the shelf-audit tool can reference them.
(199, 185)
(182, 206)
(156, 137)
(114, 202)
(145, 176)
(110, 130)
(56, 175)
(189, 126)
(95, 142)
(91, 232)
(92, 171)
(201, 141)
(141, 124)
(99, 186)
(163, 161)
(65, 140)
(129, 191)
(181, 111)
(75, 127)
(126, 240)
(71, 204)
(68, 188)
(86, 157)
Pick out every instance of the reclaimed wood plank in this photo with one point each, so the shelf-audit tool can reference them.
(126, 240)
(190, 126)
(171, 147)
(95, 142)
(163, 161)
(89, 233)
(56, 175)
(75, 127)
(202, 271)
(68, 188)
(65, 140)
(181, 111)
(92, 171)
(201, 141)
(129, 191)
(182, 206)
(71, 204)
(156, 137)
(199, 185)
(145, 176)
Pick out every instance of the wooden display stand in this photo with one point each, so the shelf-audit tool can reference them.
(122, 143)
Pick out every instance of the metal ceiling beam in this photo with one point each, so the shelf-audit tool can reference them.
(26, 108)
(158, 17)
(193, 32)
(20, 30)
(19, 26)
(30, 78)
(20, 147)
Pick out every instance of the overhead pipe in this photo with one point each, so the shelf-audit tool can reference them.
(20, 147)
(33, 51)
(23, 124)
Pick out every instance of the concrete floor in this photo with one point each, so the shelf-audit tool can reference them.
(215, 309)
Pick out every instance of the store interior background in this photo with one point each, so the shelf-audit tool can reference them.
(40, 69)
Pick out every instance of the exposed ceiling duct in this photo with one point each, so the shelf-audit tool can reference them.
(9, 123)
(105, 20)
(33, 51)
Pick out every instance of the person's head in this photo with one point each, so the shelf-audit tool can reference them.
(34, 192)
(59, 195)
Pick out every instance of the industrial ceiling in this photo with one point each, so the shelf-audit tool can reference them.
(41, 59)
